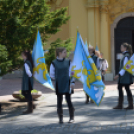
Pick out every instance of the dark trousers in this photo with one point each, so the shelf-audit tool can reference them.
(87, 96)
(120, 86)
(103, 78)
(60, 99)
(27, 95)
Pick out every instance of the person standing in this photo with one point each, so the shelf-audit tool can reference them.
(103, 64)
(60, 71)
(91, 51)
(125, 79)
(27, 81)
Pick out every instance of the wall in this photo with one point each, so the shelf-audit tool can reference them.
(78, 12)
(64, 33)
(116, 8)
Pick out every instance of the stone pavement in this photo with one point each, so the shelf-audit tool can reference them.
(89, 119)
(7, 86)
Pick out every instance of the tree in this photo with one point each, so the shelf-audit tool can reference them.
(4, 64)
(19, 20)
(50, 56)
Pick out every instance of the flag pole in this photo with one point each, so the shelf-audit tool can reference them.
(77, 29)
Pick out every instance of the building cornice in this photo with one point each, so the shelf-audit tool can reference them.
(96, 3)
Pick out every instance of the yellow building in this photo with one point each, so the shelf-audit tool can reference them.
(105, 23)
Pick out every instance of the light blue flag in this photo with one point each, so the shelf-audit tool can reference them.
(40, 69)
(97, 49)
(86, 44)
(84, 69)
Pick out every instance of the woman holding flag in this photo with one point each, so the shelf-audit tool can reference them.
(60, 71)
(91, 51)
(125, 78)
(27, 80)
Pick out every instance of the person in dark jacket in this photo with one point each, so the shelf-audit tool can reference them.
(60, 71)
(125, 79)
(27, 81)
(91, 51)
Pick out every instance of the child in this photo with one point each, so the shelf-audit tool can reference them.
(60, 71)
(27, 80)
(91, 51)
(125, 79)
(103, 64)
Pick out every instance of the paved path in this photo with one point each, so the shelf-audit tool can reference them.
(7, 86)
(88, 118)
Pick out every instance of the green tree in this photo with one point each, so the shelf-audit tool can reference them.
(4, 64)
(19, 20)
(50, 56)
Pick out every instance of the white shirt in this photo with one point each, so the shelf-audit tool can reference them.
(52, 71)
(104, 64)
(27, 68)
(122, 71)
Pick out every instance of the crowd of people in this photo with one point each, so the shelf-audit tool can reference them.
(60, 71)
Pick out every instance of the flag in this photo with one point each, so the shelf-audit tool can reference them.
(97, 49)
(40, 69)
(84, 69)
(129, 67)
(86, 44)
(90, 45)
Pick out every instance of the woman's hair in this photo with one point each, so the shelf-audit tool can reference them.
(90, 47)
(128, 48)
(59, 50)
(29, 57)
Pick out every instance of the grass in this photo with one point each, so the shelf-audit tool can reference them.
(23, 97)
